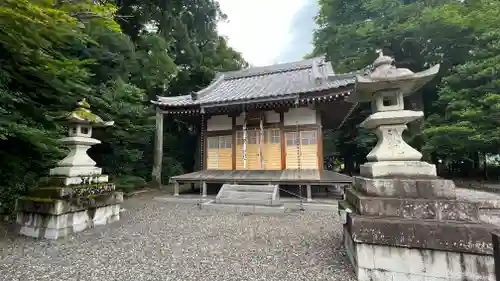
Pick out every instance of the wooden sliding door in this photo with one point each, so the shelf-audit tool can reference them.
(219, 152)
(267, 150)
(271, 149)
(307, 154)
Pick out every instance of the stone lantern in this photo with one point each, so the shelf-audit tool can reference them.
(402, 222)
(77, 167)
(386, 88)
(76, 195)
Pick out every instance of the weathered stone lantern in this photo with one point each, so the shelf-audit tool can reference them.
(77, 167)
(76, 196)
(402, 221)
(386, 88)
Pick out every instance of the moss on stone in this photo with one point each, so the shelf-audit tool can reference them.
(86, 185)
(38, 199)
(86, 115)
(83, 103)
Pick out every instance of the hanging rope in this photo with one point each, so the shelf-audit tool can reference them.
(261, 141)
(297, 142)
(244, 139)
(202, 145)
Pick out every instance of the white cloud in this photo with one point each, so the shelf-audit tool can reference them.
(260, 29)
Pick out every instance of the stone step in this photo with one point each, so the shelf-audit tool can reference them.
(248, 201)
(249, 188)
(246, 194)
(246, 209)
(246, 198)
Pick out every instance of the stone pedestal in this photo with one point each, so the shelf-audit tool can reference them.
(415, 229)
(76, 196)
(402, 222)
(50, 217)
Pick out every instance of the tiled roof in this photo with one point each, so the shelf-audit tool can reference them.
(263, 83)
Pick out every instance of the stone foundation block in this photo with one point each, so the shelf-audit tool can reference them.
(464, 237)
(406, 187)
(70, 205)
(62, 192)
(75, 180)
(245, 209)
(375, 262)
(412, 208)
(55, 226)
(398, 169)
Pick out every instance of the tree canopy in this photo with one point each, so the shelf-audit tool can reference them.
(460, 104)
(117, 54)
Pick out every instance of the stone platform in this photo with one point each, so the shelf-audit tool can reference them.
(61, 212)
(259, 199)
(415, 229)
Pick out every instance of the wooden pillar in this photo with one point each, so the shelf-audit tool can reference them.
(176, 189)
(309, 193)
(158, 152)
(319, 144)
(204, 189)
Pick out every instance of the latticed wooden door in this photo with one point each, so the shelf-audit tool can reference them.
(219, 152)
(212, 153)
(306, 155)
(271, 149)
(308, 150)
(253, 155)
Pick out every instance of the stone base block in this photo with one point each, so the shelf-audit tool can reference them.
(52, 206)
(428, 188)
(245, 209)
(59, 192)
(455, 236)
(413, 208)
(76, 171)
(398, 169)
(374, 262)
(50, 226)
(78, 180)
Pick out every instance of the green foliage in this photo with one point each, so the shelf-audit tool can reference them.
(469, 96)
(129, 183)
(460, 104)
(54, 53)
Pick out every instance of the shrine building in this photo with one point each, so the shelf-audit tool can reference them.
(263, 124)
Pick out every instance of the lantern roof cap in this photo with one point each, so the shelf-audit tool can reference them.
(82, 115)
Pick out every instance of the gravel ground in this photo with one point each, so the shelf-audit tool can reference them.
(164, 241)
(475, 195)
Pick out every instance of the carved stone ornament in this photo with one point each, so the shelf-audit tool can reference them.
(385, 88)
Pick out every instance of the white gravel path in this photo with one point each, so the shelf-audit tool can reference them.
(164, 241)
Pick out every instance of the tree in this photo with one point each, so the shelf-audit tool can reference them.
(470, 93)
(416, 33)
(53, 53)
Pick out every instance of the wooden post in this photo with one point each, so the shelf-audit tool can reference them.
(204, 189)
(158, 153)
(176, 189)
(496, 253)
(309, 193)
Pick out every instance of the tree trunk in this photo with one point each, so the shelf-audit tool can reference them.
(349, 164)
(158, 153)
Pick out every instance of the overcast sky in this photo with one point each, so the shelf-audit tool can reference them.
(269, 31)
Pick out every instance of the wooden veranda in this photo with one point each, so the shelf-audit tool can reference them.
(302, 177)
